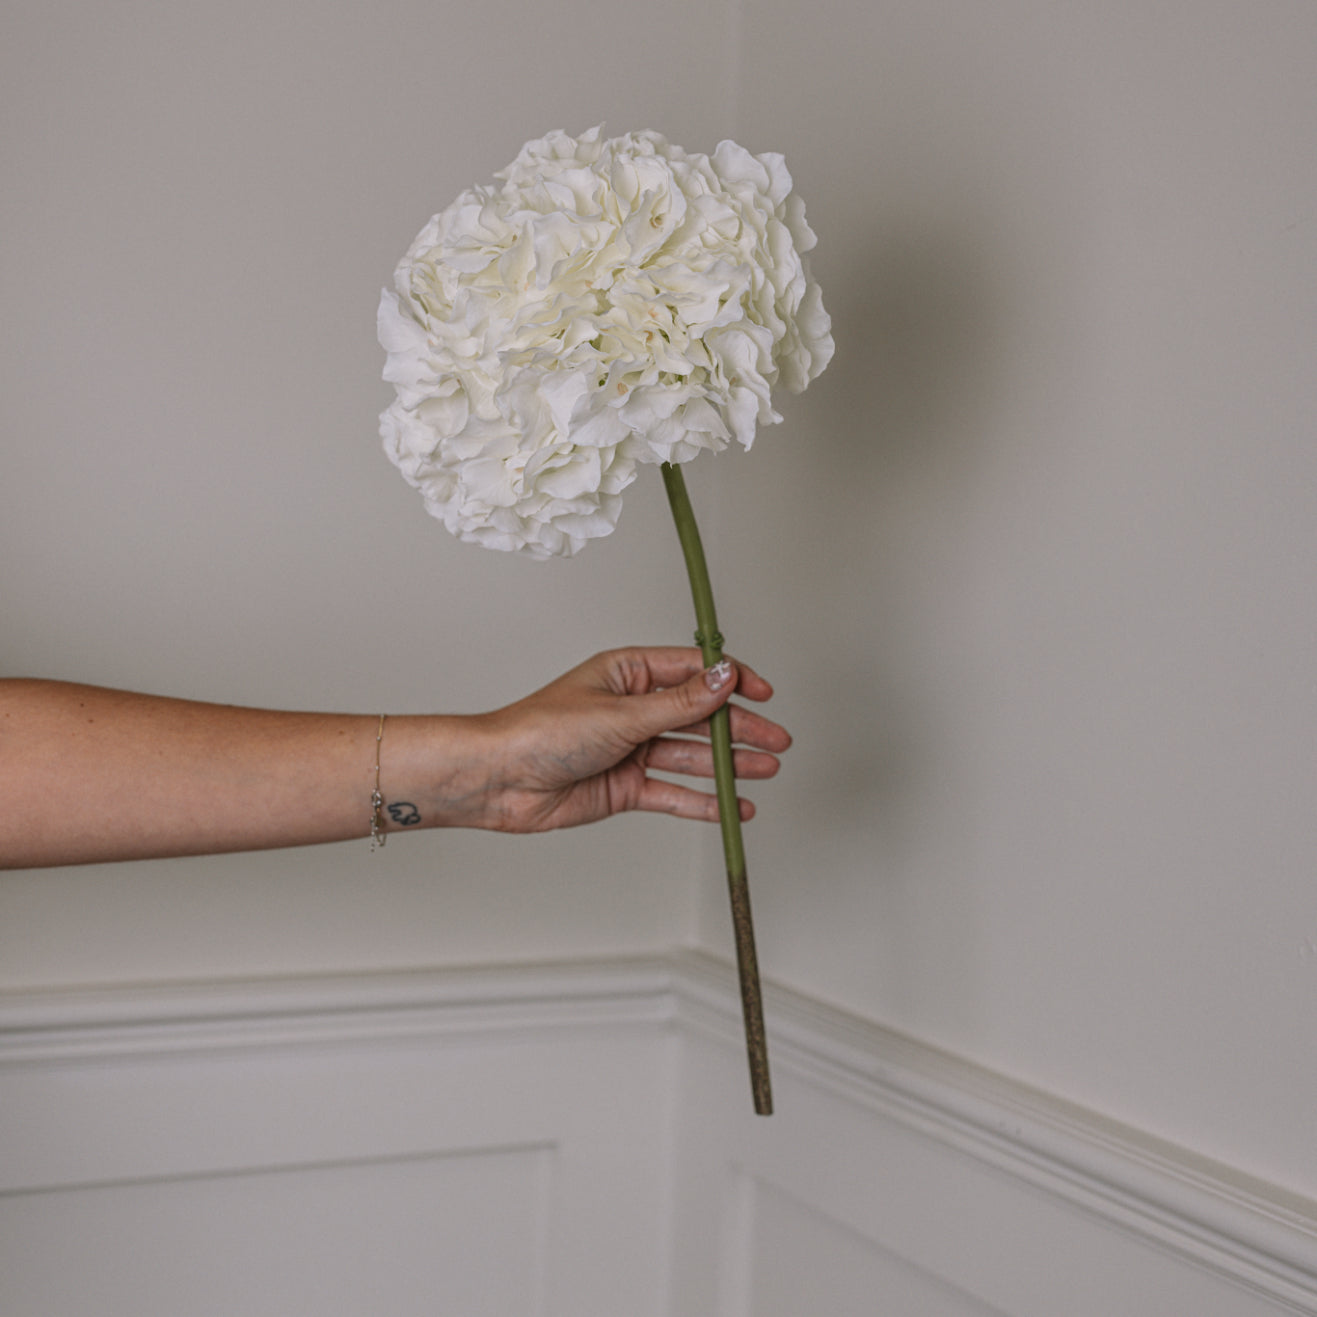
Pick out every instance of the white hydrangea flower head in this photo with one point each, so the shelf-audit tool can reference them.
(606, 303)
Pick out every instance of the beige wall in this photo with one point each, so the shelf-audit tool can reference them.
(1035, 564)
(1031, 565)
(201, 205)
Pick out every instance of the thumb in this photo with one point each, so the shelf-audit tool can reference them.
(694, 700)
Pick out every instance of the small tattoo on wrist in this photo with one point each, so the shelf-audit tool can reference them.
(404, 813)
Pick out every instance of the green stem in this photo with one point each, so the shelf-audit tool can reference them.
(710, 642)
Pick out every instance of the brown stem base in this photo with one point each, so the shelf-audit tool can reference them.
(752, 1000)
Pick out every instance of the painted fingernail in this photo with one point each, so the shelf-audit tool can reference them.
(718, 676)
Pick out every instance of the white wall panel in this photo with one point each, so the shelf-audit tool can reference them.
(455, 1233)
(577, 1140)
(800, 1260)
(464, 1143)
(962, 1187)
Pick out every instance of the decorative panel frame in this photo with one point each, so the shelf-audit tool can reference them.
(572, 1140)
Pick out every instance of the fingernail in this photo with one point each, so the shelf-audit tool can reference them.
(718, 676)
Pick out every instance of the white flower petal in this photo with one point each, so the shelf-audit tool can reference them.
(607, 302)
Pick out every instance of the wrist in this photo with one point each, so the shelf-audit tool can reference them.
(435, 772)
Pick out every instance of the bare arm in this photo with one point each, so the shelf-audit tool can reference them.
(89, 774)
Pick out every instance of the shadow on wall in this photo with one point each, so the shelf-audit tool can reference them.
(913, 331)
(876, 484)
(863, 553)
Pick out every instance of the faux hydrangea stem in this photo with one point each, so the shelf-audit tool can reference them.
(710, 642)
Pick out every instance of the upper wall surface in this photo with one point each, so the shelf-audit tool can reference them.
(200, 207)
(1033, 562)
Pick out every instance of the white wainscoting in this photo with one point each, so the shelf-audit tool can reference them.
(894, 1179)
(573, 1141)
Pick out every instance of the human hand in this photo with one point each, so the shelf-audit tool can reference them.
(583, 747)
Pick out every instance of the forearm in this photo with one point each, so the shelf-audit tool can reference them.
(89, 774)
